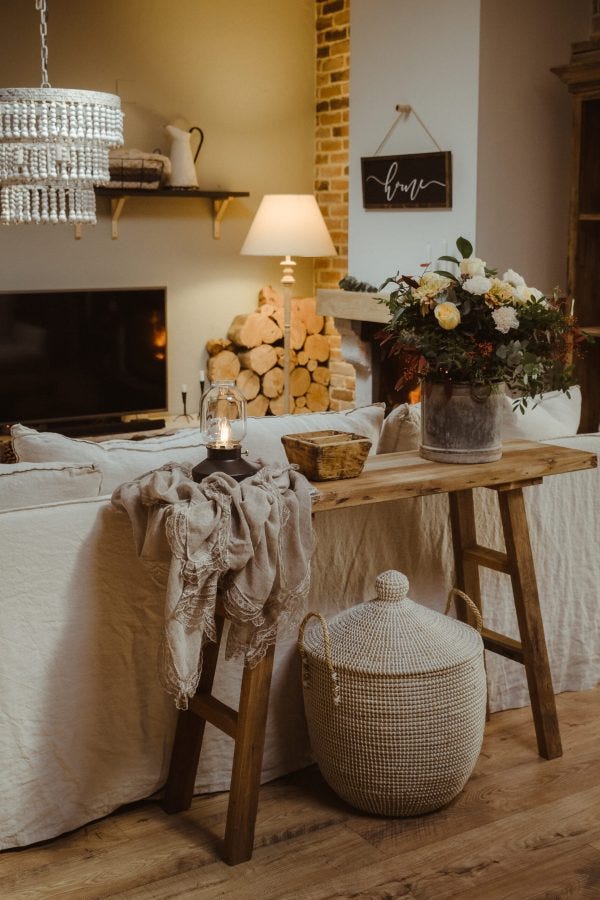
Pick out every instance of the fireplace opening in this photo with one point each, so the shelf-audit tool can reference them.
(75, 359)
(387, 369)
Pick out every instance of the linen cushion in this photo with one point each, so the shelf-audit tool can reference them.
(118, 460)
(35, 483)
(554, 416)
(121, 460)
(401, 429)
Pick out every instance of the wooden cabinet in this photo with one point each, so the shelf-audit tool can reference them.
(582, 78)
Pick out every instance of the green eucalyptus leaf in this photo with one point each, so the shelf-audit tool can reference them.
(446, 274)
(464, 247)
(452, 259)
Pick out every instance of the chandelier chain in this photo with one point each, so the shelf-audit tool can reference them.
(54, 147)
(41, 6)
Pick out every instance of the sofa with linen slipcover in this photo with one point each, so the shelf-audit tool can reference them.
(85, 725)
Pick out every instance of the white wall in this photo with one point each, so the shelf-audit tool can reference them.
(525, 135)
(424, 53)
(244, 72)
(478, 74)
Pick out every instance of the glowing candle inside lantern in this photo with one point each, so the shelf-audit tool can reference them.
(224, 439)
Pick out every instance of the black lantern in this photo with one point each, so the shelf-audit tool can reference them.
(223, 425)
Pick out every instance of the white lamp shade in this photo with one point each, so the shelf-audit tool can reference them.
(288, 225)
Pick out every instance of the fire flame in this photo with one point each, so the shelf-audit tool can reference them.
(159, 336)
(414, 396)
(224, 439)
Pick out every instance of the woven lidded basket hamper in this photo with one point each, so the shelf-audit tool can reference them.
(395, 700)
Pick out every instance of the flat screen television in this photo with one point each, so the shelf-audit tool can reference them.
(82, 355)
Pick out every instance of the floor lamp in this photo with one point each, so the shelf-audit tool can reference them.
(288, 225)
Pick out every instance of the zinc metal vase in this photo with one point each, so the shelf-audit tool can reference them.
(461, 423)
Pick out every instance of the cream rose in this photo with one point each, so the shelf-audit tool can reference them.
(472, 267)
(500, 291)
(447, 314)
(430, 285)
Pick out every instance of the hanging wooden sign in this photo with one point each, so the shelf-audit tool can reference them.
(410, 181)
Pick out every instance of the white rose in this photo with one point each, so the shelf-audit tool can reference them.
(523, 294)
(505, 318)
(472, 267)
(478, 285)
(513, 278)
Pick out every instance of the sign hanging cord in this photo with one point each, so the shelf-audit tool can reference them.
(403, 113)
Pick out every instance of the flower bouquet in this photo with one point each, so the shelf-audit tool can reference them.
(472, 327)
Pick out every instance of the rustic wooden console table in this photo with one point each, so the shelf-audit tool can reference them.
(394, 476)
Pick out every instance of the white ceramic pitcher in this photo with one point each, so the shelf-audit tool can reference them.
(183, 168)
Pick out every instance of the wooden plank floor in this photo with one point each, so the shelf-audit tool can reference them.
(523, 828)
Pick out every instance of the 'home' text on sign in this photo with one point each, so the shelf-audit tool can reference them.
(411, 181)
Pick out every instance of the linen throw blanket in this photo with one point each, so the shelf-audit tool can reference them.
(249, 542)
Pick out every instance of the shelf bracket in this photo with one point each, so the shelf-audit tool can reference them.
(219, 210)
(116, 208)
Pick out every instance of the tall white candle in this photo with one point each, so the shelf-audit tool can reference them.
(428, 253)
(184, 388)
(201, 375)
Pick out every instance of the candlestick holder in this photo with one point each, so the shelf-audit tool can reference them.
(184, 414)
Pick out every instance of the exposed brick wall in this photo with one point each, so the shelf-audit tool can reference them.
(331, 170)
(332, 132)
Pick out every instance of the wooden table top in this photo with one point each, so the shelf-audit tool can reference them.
(395, 476)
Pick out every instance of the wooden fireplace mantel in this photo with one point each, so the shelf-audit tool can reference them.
(358, 306)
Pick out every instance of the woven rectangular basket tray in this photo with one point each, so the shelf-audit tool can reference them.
(327, 455)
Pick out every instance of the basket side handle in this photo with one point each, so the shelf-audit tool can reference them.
(453, 594)
(327, 650)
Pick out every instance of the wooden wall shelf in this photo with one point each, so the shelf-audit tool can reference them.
(220, 200)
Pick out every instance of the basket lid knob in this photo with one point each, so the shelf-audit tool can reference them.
(391, 585)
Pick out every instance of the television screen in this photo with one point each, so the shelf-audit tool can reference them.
(82, 354)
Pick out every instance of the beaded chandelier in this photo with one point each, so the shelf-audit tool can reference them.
(54, 145)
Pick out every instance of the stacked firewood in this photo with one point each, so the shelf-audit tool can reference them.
(252, 355)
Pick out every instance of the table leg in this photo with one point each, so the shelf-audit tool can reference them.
(464, 536)
(189, 735)
(518, 563)
(529, 617)
(247, 760)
